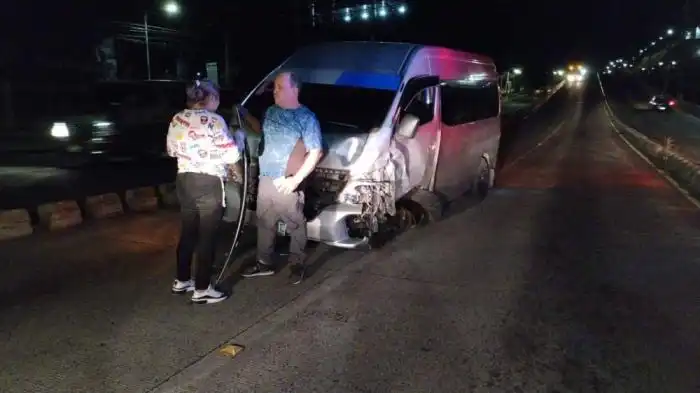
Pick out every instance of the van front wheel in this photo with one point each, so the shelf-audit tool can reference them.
(421, 208)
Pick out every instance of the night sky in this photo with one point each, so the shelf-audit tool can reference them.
(538, 37)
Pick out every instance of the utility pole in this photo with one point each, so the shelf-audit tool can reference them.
(148, 44)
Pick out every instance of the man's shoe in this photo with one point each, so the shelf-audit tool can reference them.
(297, 273)
(258, 270)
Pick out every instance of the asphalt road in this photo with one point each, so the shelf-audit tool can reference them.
(629, 102)
(29, 184)
(577, 274)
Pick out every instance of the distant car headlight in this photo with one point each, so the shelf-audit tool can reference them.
(60, 130)
(102, 124)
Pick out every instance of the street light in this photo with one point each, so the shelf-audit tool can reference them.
(380, 10)
(514, 71)
(170, 8)
(669, 32)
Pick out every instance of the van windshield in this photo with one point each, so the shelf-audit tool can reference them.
(338, 108)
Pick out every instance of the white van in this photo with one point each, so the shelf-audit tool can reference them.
(407, 128)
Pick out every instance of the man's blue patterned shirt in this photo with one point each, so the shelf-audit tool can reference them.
(282, 128)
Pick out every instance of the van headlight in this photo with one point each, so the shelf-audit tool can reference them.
(60, 130)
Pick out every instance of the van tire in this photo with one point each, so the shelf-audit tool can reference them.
(424, 206)
(429, 208)
(483, 182)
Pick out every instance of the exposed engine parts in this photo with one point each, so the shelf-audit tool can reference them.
(379, 188)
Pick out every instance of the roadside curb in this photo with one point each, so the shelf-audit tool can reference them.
(61, 215)
(682, 172)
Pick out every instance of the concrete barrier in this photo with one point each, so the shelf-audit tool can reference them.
(15, 223)
(141, 199)
(680, 169)
(103, 206)
(168, 194)
(60, 215)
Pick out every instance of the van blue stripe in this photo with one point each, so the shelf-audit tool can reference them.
(369, 80)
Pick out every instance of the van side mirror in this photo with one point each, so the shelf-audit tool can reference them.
(408, 126)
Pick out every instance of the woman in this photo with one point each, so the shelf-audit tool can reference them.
(200, 140)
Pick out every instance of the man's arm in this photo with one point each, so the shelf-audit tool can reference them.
(310, 162)
(311, 136)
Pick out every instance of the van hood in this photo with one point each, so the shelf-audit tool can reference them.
(342, 150)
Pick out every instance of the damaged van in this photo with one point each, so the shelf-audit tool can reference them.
(406, 128)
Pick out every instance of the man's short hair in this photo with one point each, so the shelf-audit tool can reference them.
(294, 79)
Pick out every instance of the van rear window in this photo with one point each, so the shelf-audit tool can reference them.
(462, 103)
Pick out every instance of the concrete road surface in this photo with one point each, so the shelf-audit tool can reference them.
(629, 102)
(577, 274)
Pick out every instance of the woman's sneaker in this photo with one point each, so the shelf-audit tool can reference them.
(180, 287)
(208, 296)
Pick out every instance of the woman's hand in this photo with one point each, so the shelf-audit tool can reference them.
(234, 173)
(239, 137)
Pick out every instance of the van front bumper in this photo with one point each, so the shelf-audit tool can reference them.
(330, 227)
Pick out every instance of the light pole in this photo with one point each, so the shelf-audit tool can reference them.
(170, 8)
(515, 71)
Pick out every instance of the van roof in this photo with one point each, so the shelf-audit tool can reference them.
(367, 58)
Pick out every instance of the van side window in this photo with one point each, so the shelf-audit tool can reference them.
(462, 103)
(422, 104)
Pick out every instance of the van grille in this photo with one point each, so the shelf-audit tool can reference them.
(323, 188)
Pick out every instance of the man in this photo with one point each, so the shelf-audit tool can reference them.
(283, 167)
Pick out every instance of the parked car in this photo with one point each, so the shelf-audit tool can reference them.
(116, 119)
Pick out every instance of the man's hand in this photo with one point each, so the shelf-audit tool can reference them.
(286, 185)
